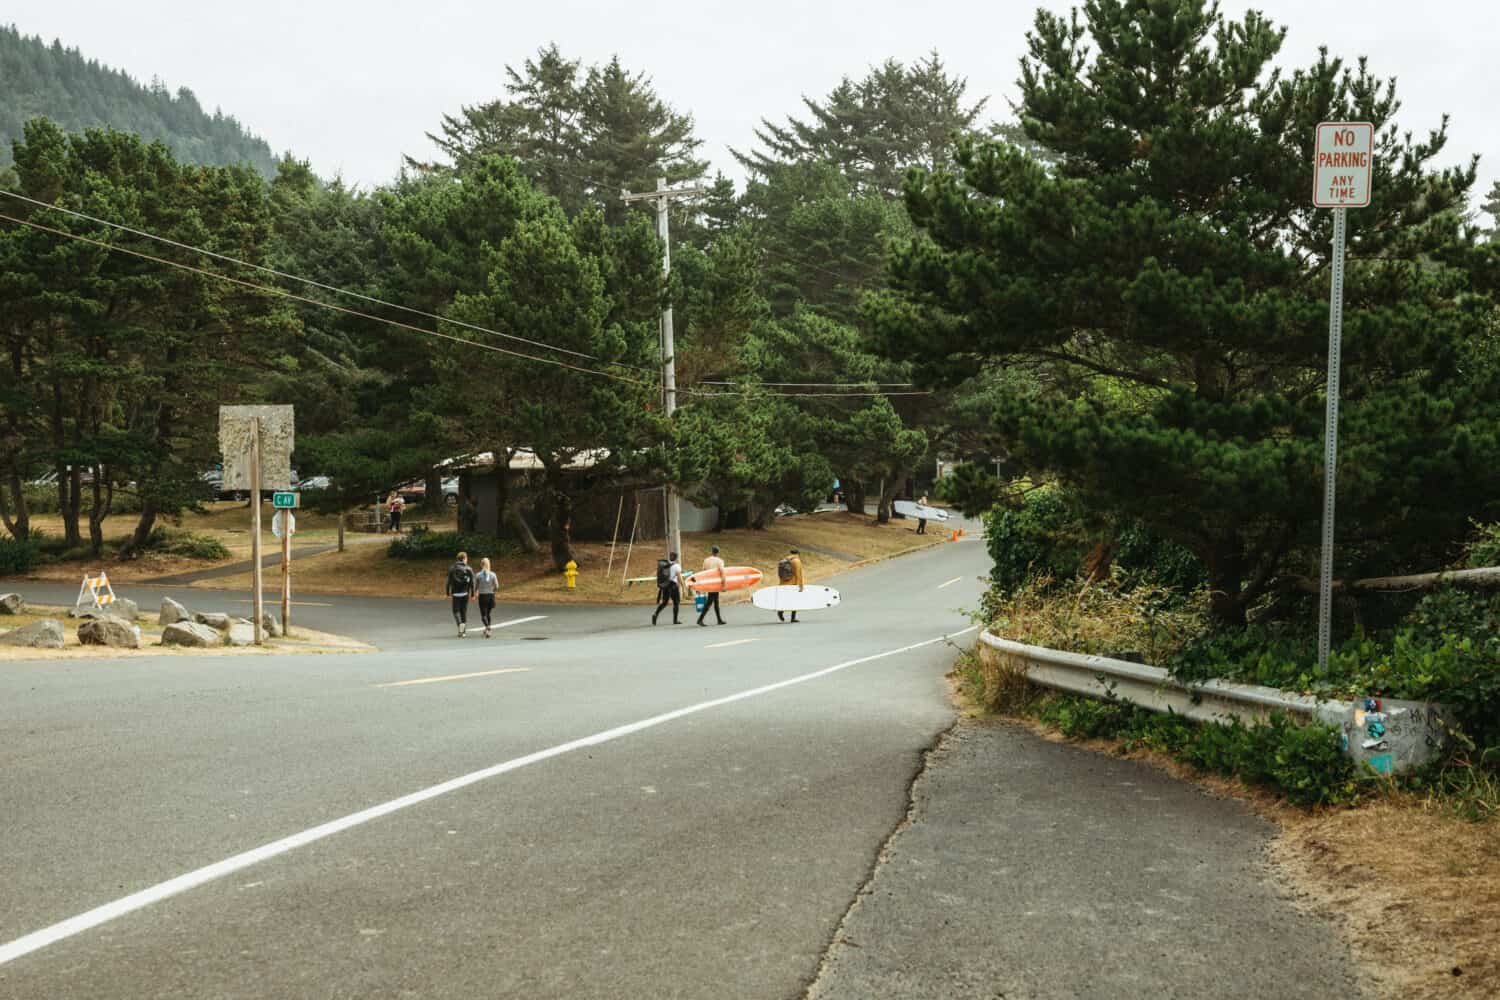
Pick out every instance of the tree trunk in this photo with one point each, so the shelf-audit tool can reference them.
(142, 531)
(433, 500)
(104, 499)
(854, 496)
(19, 526)
(1226, 579)
(561, 527)
(507, 515)
(721, 520)
(70, 502)
(760, 516)
(887, 497)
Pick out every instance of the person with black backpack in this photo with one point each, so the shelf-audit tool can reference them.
(789, 573)
(460, 587)
(668, 586)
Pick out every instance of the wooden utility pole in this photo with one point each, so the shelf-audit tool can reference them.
(257, 601)
(663, 196)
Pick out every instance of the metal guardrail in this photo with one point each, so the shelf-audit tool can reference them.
(1387, 734)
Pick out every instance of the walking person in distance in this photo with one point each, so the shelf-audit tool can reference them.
(394, 506)
(711, 598)
(789, 573)
(460, 587)
(485, 585)
(668, 586)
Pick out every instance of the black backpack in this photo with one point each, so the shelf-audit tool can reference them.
(784, 570)
(663, 573)
(460, 578)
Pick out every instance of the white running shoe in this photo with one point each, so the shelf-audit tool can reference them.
(486, 631)
(461, 630)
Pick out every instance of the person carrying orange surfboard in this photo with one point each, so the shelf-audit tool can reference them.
(711, 598)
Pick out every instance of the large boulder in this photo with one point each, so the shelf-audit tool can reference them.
(268, 622)
(171, 612)
(124, 607)
(213, 619)
(11, 604)
(241, 633)
(45, 634)
(184, 633)
(109, 631)
(87, 613)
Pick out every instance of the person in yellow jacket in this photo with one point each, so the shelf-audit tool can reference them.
(793, 562)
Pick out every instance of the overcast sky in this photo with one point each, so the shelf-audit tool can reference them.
(353, 85)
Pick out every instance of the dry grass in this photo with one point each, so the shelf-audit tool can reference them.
(366, 570)
(302, 640)
(228, 521)
(1101, 618)
(1415, 889)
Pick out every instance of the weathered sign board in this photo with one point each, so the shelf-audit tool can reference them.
(276, 440)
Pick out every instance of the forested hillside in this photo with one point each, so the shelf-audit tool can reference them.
(78, 93)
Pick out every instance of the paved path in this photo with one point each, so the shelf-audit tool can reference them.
(637, 811)
(1116, 882)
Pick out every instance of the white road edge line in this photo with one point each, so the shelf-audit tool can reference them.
(62, 930)
(950, 582)
(732, 642)
(520, 621)
(453, 677)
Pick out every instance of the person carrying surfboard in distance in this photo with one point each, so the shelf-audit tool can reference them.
(789, 572)
(922, 521)
(668, 586)
(711, 598)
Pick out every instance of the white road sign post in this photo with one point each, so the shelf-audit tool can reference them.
(283, 526)
(1342, 159)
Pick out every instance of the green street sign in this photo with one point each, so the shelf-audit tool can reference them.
(284, 501)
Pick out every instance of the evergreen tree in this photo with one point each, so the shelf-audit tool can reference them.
(873, 129)
(1166, 285)
(37, 79)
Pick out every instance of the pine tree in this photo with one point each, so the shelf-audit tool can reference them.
(1166, 286)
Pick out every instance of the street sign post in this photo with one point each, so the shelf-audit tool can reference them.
(1344, 154)
(256, 445)
(285, 501)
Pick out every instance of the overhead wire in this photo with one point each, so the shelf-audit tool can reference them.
(293, 296)
(314, 283)
(345, 310)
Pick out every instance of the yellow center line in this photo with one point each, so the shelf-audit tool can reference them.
(950, 582)
(454, 677)
(732, 642)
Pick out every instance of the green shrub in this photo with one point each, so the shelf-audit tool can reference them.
(17, 557)
(1158, 561)
(447, 544)
(1041, 538)
(1484, 550)
(1305, 764)
(169, 541)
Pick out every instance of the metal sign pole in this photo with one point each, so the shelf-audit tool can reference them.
(256, 600)
(286, 572)
(1331, 440)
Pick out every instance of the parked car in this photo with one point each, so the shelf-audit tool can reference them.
(416, 492)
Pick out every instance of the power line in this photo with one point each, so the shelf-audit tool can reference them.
(293, 296)
(282, 292)
(309, 281)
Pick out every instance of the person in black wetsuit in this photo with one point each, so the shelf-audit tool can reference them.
(668, 586)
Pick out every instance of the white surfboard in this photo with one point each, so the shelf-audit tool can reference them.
(910, 508)
(788, 598)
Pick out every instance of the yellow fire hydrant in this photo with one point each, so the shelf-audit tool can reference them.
(571, 572)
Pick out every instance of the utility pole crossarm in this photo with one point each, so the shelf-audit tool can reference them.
(668, 193)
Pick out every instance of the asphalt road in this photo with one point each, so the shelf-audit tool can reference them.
(641, 812)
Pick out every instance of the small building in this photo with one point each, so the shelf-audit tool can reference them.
(603, 501)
